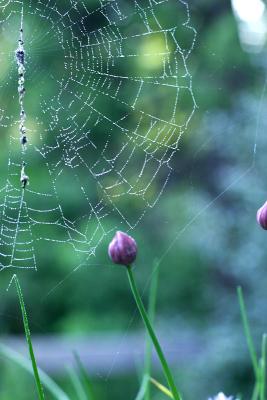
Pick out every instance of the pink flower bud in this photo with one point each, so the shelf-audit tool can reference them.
(122, 249)
(262, 216)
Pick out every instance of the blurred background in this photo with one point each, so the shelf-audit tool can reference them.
(106, 154)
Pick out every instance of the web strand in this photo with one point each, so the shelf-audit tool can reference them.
(93, 128)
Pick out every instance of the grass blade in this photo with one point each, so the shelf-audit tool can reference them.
(154, 339)
(162, 388)
(78, 387)
(250, 343)
(151, 316)
(262, 366)
(256, 391)
(25, 364)
(28, 338)
(86, 382)
(143, 388)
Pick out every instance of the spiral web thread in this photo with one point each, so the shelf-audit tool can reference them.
(91, 127)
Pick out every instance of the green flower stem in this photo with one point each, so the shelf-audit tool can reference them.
(28, 338)
(152, 335)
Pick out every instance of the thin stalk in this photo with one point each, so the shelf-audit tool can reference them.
(251, 347)
(28, 338)
(263, 368)
(84, 377)
(151, 316)
(78, 387)
(142, 390)
(152, 335)
(256, 391)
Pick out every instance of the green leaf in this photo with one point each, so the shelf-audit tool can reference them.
(151, 316)
(262, 367)
(78, 387)
(85, 380)
(22, 362)
(250, 343)
(28, 338)
(162, 388)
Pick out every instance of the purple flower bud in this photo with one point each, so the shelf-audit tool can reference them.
(262, 216)
(122, 249)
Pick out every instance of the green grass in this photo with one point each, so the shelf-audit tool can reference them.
(39, 387)
(84, 378)
(80, 379)
(153, 337)
(144, 391)
(259, 366)
(151, 316)
(26, 365)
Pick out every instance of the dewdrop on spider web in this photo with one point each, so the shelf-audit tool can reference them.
(23, 130)
(20, 58)
(24, 179)
(20, 53)
(60, 128)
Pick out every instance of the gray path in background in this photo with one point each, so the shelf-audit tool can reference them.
(104, 355)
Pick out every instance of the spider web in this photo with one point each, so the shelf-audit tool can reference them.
(106, 83)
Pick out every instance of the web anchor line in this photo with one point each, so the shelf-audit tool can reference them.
(20, 58)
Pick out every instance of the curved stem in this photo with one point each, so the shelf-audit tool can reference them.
(152, 335)
(28, 338)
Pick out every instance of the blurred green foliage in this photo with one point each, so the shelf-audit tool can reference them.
(202, 230)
